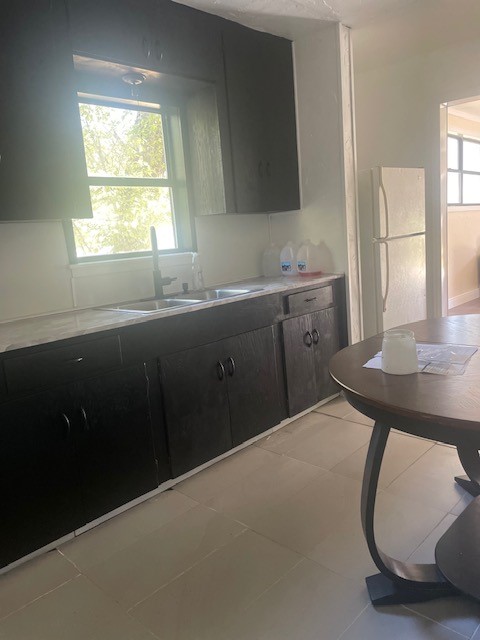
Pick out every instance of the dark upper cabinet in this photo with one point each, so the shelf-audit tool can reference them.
(261, 102)
(152, 34)
(42, 163)
(309, 342)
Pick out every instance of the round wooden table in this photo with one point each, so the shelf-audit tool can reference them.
(437, 407)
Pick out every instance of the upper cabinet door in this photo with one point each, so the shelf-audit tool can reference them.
(261, 100)
(118, 30)
(43, 172)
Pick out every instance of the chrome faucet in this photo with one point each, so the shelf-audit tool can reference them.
(158, 281)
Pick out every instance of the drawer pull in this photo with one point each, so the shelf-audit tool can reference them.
(316, 336)
(310, 299)
(220, 370)
(307, 339)
(74, 360)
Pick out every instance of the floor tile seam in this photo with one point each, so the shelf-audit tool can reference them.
(225, 486)
(424, 503)
(336, 463)
(418, 502)
(354, 621)
(187, 569)
(437, 525)
(69, 560)
(410, 465)
(473, 634)
(46, 593)
(422, 615)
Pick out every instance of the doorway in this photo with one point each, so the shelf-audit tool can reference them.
(461, 253)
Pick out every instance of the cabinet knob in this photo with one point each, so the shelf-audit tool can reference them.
(308, 339)
(316, 336)
(231, 366)
(220, 370)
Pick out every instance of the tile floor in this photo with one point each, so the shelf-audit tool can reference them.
(265, 545)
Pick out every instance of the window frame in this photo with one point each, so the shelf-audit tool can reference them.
(461, 171)
(182, 219)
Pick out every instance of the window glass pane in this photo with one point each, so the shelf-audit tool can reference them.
(471, 156)
(452, 153)
(453, 188)
(123, 142)
(471, 189)
(121, 221)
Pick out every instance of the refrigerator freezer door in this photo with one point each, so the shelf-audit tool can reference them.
(400, 281)
(398, 202)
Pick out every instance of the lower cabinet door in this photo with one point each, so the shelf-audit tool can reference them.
(299, 363)
(39, 500)
(326, 344)
(116, 456)
(252, 381)
(196, 406)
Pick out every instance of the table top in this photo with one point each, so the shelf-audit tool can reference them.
(444, 408)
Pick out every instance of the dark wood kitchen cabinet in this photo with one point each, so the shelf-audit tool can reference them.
(219, 395)
(40, 495)
(43, 172)
(152, 34)
(261, 99)
(309, 340)
(72, 454)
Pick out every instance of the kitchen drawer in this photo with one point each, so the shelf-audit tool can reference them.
(307, 301)
(60, 365)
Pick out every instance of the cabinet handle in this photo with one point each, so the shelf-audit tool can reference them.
(307, 339)
(269, 173)
(316, 336)
(310, 299)
(74, 360)
(231, 366)
(260, 168)
(67, 424)
(147, 51)
(86, 426)
(220, 370)
(158, 51)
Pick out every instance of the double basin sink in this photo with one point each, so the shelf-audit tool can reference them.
(181, 300)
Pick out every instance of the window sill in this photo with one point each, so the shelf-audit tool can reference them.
(128, 265)
(463, 207)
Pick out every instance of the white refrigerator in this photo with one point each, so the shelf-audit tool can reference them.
(392, 247)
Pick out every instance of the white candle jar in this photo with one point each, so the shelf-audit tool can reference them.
(399, 352)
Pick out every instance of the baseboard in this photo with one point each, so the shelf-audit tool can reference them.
(463, 298)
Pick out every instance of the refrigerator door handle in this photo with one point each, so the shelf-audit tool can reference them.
(385, 201)
(387, 275)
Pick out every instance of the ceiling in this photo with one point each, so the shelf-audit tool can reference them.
(292, 18)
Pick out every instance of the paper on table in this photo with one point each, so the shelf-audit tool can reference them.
(441, 359)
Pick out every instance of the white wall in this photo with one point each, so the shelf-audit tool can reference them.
(36, 277)
(398, 95)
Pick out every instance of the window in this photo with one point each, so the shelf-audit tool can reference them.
(463, 179)
(136, 174)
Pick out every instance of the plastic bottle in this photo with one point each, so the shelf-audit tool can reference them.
(309, 259)
(287, 260)
(271, 261)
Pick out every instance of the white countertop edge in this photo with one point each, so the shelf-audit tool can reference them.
(29, 332)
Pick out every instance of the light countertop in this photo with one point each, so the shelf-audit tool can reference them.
(29, 332)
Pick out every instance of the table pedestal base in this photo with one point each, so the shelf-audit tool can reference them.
(471, 463)
(383, 591)
(399, 582)
(470, 486)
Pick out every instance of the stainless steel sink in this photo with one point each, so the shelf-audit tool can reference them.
(151, 306)
(216, 294)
